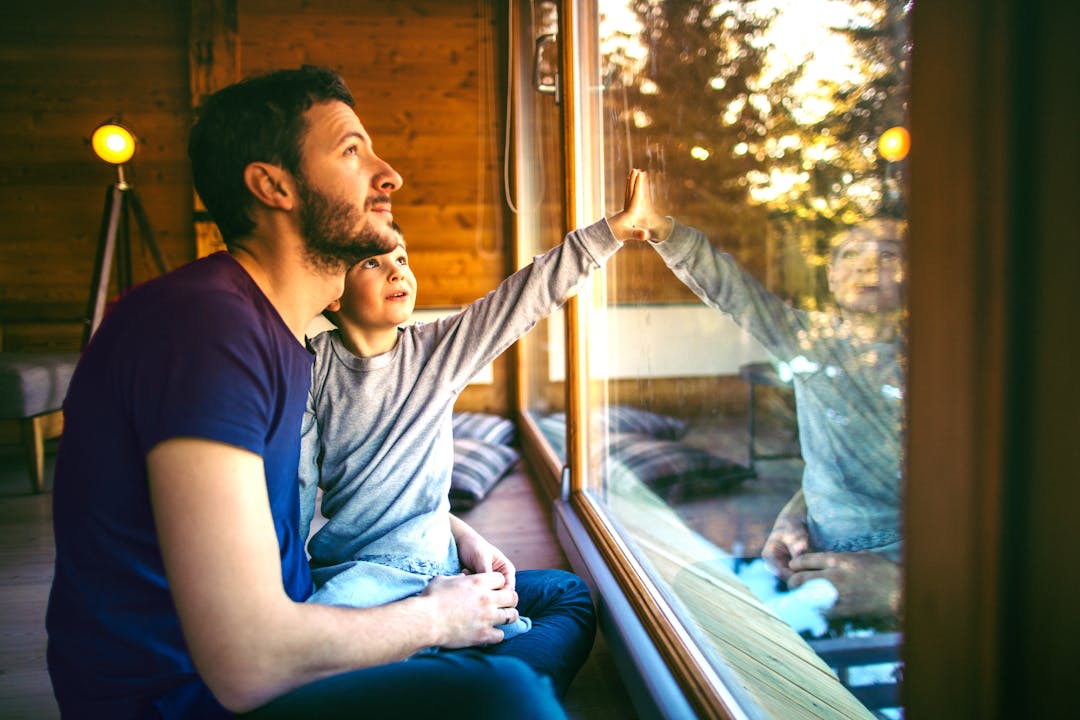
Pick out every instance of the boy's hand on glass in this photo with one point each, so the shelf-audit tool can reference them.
(638, 220)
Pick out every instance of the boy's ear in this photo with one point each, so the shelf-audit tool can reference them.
(334, 306)
(271, 185)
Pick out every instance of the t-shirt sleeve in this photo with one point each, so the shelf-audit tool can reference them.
(203, 373)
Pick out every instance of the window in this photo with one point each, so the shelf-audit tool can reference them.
(764, 381)
(539, 199)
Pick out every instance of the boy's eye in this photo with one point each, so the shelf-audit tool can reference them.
(371, 263)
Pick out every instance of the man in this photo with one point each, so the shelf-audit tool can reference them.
(180, 572)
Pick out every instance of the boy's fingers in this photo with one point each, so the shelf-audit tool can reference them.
(639, 200)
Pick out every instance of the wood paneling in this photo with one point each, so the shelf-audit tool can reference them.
(428, 80)
(66, 67)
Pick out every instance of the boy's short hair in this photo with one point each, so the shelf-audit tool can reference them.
(398, 231)
(259, 119)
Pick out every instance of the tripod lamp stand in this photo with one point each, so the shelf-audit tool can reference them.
(115, 144)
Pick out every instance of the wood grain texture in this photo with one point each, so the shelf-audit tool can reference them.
(427, 76)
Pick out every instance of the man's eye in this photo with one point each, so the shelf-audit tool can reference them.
(352, 150)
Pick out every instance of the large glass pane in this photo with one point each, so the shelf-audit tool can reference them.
(754, 392)
(539, 204)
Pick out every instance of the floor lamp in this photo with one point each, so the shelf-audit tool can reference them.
(115, 144)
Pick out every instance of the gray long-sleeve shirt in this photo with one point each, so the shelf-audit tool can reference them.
(377, 435)
(848, 391)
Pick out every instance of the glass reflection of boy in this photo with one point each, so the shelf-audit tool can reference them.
(844, 522)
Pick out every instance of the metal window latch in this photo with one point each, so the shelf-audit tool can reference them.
(546, 66)
(564, 483)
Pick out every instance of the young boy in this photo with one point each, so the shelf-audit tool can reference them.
(377, 439)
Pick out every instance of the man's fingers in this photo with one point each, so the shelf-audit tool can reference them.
(813, 561)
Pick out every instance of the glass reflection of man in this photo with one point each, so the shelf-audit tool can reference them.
(844, 522)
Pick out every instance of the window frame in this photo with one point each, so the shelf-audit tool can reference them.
(966, 317)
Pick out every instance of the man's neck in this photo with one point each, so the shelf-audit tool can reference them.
(296, 289)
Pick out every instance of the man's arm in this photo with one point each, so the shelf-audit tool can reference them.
(250, 642)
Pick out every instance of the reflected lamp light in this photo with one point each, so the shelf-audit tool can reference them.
(113, 143)
(894, 144)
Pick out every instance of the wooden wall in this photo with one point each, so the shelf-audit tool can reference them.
(66, 67)
(427, 76)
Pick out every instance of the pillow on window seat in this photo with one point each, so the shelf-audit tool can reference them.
(483, 426)
(630, 419)
(673, 470)
(478, 465)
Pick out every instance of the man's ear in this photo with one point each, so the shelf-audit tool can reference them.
(271, 185)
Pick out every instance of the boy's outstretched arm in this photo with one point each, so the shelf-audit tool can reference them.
(638, 220)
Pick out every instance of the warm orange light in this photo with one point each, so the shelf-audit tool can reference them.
(894, 144)
(113, 143)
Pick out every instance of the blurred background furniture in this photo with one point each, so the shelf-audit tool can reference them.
(32, 389)
(764, 374)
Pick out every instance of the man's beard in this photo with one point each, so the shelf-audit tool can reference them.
(329, 226)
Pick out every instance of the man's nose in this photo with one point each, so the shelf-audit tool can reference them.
(387, 179)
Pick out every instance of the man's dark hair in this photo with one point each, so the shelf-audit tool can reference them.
(260, 119)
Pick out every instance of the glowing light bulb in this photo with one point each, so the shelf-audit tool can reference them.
(113, 143)
(894, 144)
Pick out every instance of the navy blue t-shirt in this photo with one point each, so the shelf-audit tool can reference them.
(201, 353)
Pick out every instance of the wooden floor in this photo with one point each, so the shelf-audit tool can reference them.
(512, 517)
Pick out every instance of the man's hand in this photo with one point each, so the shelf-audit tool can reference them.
(638, 220)
(789, 538)
(868, 584)
(470, 606)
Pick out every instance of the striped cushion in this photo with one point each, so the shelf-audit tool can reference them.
(478, 465)
(667, 465)
(629, 419)
(483, 426)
